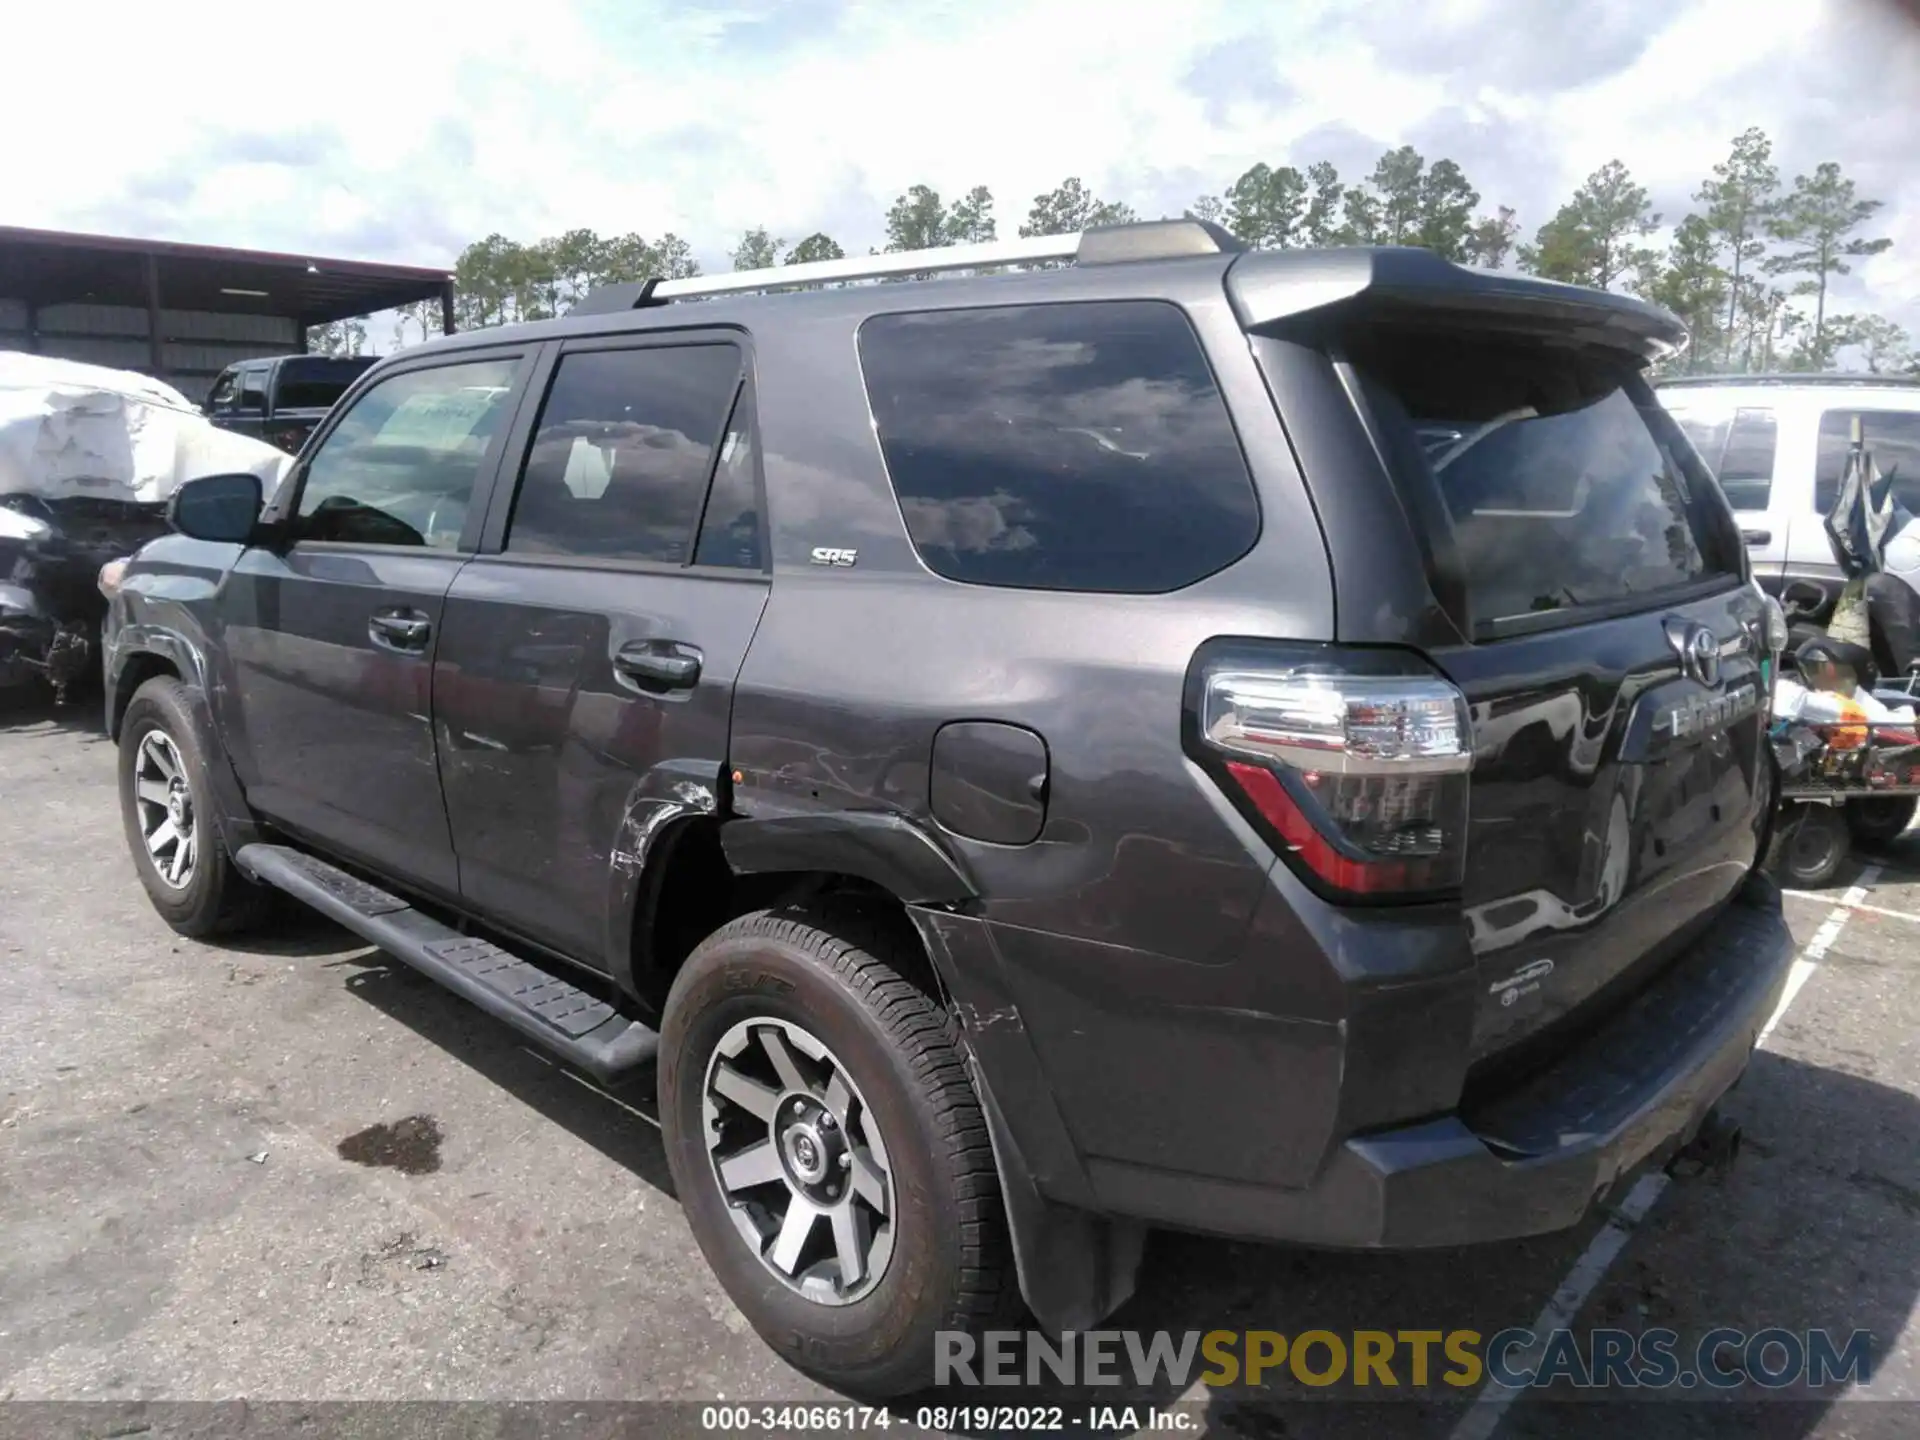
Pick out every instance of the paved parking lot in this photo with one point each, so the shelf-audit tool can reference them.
(178, 1220)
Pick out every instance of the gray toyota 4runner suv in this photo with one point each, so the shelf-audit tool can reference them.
(1263, 743)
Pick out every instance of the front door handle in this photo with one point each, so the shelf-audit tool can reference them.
(659, 664)
(1757, 537)
(400, 629)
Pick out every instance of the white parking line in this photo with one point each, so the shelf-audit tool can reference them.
(1815, 895)
(1808, 960)
(1483, 1416)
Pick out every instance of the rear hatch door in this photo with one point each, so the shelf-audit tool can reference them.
(1613, 662)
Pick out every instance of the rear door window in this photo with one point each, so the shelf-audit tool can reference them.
(1739, 449)
(1074, 446)
(623, 451)
(1570, 491)
(315, 384)
(1892, 438)
(730, 528)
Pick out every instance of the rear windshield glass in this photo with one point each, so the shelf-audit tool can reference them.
(315, 384)
(1566, 486)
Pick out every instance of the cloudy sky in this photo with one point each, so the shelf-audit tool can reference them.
(404, 129)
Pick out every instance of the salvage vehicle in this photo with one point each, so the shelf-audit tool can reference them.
(50, 609)
(1266, 743)
(88, 458)
(280, 398)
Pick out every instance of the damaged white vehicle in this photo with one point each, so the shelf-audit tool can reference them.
(88, 459)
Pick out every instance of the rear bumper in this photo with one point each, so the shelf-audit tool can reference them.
(1535, 1158)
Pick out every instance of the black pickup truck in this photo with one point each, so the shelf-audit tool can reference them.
(281, 398)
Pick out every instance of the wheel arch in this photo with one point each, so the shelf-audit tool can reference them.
(679, 870)
(135, 672)
(142, 651)
(885, 849)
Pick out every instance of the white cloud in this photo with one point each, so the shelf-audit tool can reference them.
(402, 130)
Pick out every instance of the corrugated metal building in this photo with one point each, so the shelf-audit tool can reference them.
(183, 313)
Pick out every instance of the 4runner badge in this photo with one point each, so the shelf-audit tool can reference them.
(1523, 981)
(833, 555)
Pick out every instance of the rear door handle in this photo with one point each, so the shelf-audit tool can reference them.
(1757, 537)
(400, 629)
(659, 664)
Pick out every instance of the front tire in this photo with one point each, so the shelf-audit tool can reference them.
(828, 1148)
(166, 805)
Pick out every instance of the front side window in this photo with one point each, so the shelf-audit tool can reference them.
(1073, 446)
(1567, 485)
(621, 454)
(400, 467)
(1893, 439)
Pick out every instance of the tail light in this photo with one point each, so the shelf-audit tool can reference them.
(1353, 762)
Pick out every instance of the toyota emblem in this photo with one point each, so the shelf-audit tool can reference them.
(1697, 649)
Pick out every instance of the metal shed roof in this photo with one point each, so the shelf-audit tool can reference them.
(50, 267)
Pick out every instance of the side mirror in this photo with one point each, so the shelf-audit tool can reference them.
(217, 507)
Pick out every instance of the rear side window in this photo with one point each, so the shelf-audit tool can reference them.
(622, 452)
(1077, 446)
(1739, 450)
(315, 384)
(1893, 439)
(1567, 485)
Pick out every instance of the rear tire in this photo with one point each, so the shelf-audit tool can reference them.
(1876, 822)
(167, 807)
(906, 1129)
(1812, 842)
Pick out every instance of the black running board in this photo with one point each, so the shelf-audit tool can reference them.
(555, 1014)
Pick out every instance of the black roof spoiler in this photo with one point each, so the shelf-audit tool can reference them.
(1272, 287)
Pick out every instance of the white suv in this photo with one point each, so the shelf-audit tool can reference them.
(1778, 444)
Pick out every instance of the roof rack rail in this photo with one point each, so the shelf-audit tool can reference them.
(1102, 245)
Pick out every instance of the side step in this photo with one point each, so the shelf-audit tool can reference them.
(553, 1013)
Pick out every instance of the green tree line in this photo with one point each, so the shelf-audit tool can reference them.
(1749, 269)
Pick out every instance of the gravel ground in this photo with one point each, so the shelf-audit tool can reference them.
(293, 1171)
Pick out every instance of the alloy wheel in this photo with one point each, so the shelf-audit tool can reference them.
(165, 804)
(799, 1159)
